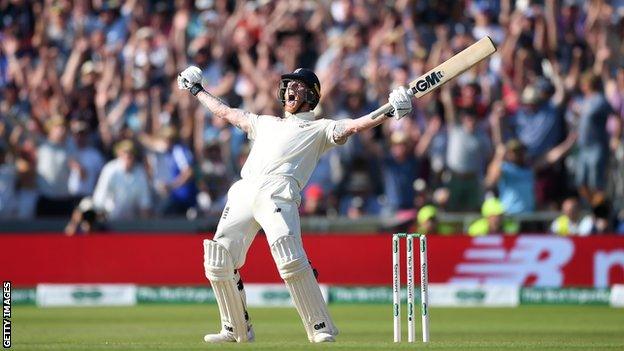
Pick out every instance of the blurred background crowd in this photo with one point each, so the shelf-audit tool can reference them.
(91, 121)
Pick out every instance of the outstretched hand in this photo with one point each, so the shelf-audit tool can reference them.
(189, 77)
(401, 101)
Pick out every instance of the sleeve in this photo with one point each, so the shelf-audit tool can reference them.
(181, 158)
(254, 121)
(329, 134)
(145, 201)
(102, 187)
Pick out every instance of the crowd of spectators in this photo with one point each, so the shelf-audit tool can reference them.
(89, 107)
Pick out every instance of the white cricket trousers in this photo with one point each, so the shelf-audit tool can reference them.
(270, 202)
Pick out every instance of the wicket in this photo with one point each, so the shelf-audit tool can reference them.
(396, 286)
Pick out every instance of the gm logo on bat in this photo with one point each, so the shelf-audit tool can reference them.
(428, 82)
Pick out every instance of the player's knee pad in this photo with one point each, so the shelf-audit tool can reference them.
(289, 256)
(220, 271)
(236, 245)
(296, 271)
(218, 264)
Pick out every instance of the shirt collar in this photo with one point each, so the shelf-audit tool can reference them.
(306, 116)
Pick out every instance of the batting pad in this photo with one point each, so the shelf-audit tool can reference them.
(220, 271)
(243, 296)
(295, 269)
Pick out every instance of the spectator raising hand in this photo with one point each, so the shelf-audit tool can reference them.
(76, 78)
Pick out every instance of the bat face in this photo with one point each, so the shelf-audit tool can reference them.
(452, 67)
(446, 71)
(426, 83)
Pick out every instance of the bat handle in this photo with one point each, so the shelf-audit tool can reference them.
(387, 108)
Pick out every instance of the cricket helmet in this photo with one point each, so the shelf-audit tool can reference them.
(311, 81)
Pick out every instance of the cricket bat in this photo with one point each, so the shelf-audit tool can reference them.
(446, 71)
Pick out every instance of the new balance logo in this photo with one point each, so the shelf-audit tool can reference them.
(228, 328)
(534, 261)
(319, 326)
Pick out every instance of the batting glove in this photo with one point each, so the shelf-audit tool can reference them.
(190, 79)
(401, 101)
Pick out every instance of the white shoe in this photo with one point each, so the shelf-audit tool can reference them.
(225, 336)
(323, 337)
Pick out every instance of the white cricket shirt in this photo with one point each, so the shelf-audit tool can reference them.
(289, 146)
(122, 194)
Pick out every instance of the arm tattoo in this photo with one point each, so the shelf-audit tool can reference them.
(219, 108)
(245, 115)
(345, 128)
(216, 98)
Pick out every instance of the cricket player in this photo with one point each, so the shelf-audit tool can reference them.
(285, 151)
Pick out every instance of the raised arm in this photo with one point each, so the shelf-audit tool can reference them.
(556, 153)
(190, 79)
(449, 107)
(399, 98)
(347, 127)
(234, 116)
(494, 170)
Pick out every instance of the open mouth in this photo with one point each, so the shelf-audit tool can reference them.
(291, 98)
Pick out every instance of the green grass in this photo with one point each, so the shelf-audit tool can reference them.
(363, 327)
